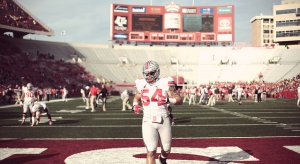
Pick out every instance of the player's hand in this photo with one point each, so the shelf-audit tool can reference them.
(136, 109)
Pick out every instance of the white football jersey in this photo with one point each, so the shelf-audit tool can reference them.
(154, 96)
(28, 95)
(39, 106)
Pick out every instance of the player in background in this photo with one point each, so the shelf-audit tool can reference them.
(192, 96)
(240, 92)
(28, 98)
(36, 111)
(64, 94)
(93, 94)
(154, 94)
(87, 97)
(104, 95)
(125, 100)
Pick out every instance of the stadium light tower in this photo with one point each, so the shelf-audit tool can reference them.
(63, 34)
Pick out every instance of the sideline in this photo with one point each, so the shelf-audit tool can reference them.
(51, 101)
(110, 99)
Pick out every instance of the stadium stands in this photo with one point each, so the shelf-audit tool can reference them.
(52, 63)
(196, 64)
(44, 70)
(16, 19)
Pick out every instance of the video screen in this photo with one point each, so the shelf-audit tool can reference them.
(142, 22)
(198, 23)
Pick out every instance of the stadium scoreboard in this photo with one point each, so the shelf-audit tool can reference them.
(172, 23)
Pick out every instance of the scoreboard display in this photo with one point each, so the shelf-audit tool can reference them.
(143, 22)
(172, 23)
(198, 23)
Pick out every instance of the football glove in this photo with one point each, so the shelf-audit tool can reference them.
(136, 109)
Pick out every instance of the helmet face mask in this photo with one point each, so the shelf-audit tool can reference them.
(151, 71)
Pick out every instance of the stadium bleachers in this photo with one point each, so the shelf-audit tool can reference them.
(196, 64)
(14, 15)
(41, 68)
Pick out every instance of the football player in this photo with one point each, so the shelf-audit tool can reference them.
(28, 98)
(37, 109)
(125, 100)
(154, 94)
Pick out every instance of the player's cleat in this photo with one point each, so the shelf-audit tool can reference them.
(50, 122)
(162, 160)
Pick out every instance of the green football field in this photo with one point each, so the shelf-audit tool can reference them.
(276, 117)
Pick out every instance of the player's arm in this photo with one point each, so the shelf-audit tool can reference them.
(22, 97)
(173, 96)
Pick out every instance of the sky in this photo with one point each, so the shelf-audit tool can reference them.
(88, 21)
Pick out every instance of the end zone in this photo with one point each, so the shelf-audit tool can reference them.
(193, 150)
